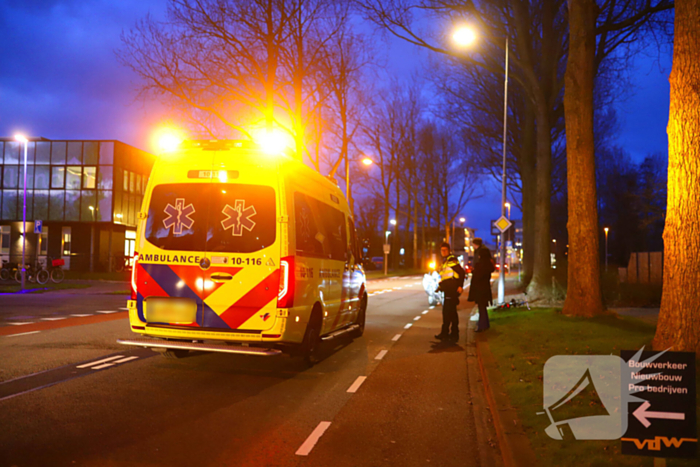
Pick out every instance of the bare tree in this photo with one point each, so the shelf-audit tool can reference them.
(620, 21)
(679, 318)
(234, 65)
(538, 35)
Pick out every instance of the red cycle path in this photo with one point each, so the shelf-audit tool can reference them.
(64, 323)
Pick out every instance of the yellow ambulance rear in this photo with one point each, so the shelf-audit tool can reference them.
(243, 252)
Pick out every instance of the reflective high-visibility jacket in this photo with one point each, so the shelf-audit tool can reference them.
(451, 277)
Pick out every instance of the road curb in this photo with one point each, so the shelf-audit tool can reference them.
(515, 445)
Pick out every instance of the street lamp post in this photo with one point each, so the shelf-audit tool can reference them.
(465, 36)
(606, 248)
(24, 140)
(386, 253)
(92, 239)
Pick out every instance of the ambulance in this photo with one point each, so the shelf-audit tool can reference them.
(240, 251)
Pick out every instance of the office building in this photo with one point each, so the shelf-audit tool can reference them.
(86, 193)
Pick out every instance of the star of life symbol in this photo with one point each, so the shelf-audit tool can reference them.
(178, 216)
(238, 217)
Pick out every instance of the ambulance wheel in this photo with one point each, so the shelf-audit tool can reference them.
(175, 353)
(312, 340)
(361, 315)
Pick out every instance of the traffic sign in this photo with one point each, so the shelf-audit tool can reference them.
(663, 421)
(38, 226)
(502, 223)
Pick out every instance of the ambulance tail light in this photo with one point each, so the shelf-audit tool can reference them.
(133, 276)
(285, 297)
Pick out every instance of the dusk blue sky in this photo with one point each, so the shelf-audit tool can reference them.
(60, 79)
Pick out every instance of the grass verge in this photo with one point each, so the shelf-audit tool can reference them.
(15, 288)
(522, 341)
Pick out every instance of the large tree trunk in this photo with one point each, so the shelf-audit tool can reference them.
(542, 269)
(583, 297)
(529, 186)
(679, 320)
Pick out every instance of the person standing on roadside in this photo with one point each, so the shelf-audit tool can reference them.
(451, 283)
(480, 288)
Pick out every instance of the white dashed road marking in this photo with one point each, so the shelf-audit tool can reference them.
(396, 337)
(22, 334)
(124, 309)
(100, 361)
(58, 318)
(81, 316)
(381, 354)
(18, 324)
(356, 385)
(424, 312)
(416, 318)
(127, 359)
(106, 312)
(408, 325)
(313, 438)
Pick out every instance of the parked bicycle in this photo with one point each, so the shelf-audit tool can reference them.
(125, 264)
(55, 270)
(33, 273)
(8, 270)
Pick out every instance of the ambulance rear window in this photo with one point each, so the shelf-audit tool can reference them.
(220, 217)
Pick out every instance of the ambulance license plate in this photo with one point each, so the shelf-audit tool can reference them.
(171, 310)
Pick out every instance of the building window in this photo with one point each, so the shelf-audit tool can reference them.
(75, 150)
(89, 176)
(73, 175)
(43, 153)
(12, 152)
(106, 153)
(72, 205)
(10, 176)
(44, 241)
(56, 205)
(58, 152)
(5, 239)
(88, 201)
(129, 243)
(9, 205)
(42, 175)
(90, 153)
(132, 182)
(126, 180)
(66, 241)
(104, 177)
(57, 176)
(41, 204)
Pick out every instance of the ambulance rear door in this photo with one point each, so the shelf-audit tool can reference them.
(242, 247)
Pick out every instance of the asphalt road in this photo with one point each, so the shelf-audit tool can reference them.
(72, 396)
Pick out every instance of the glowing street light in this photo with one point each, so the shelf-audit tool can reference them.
(462, 220)
(465, 36)
(367, 161)
(508, 208)
(392, 222)
(23, 139)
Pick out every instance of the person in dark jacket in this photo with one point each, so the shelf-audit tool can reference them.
(480, 288)
(451, 283)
